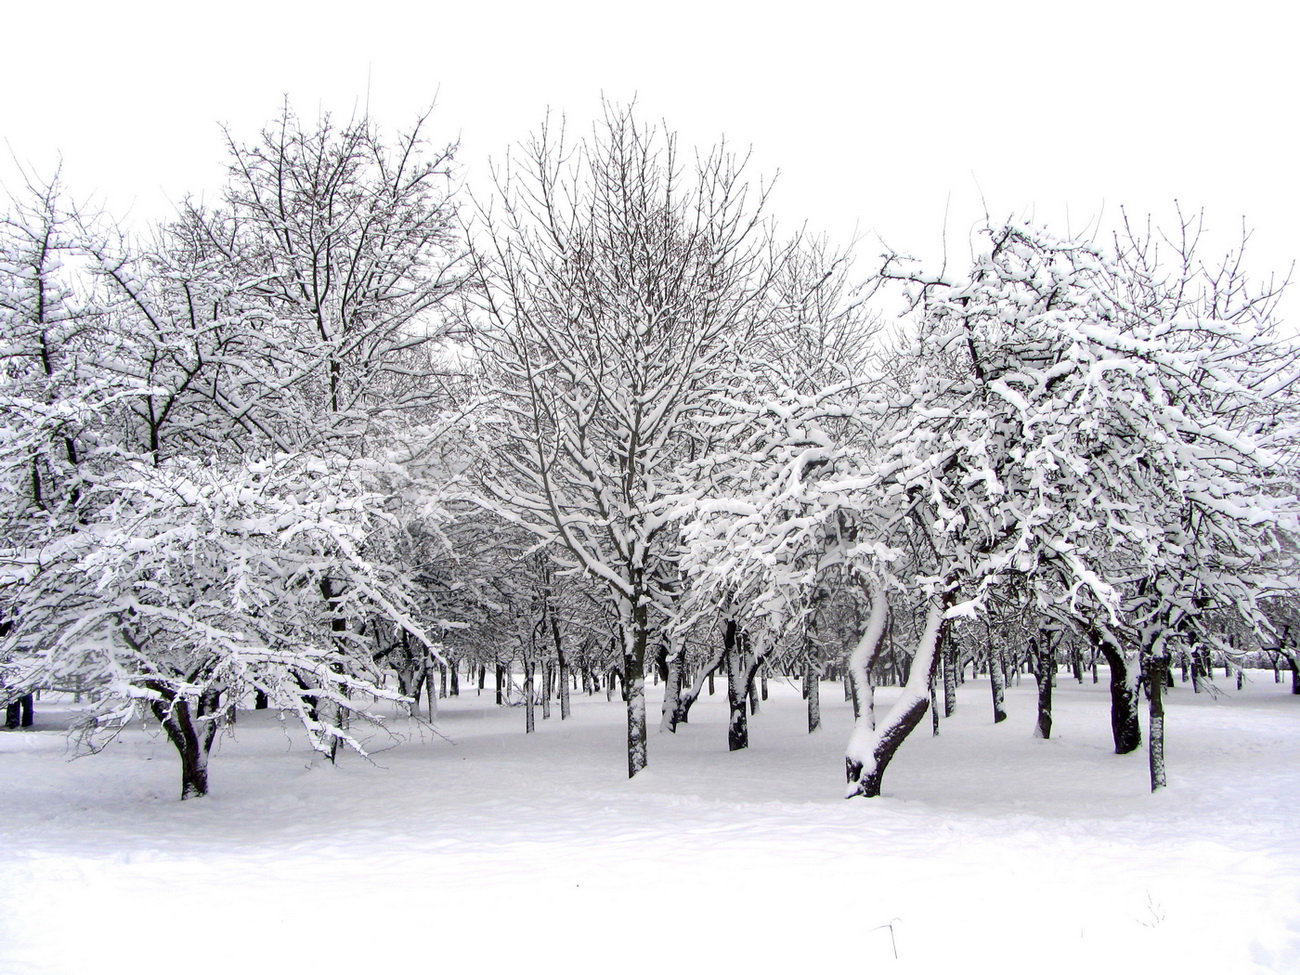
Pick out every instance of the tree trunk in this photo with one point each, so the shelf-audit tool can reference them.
(857, 672)
(548, 682)
(563, 660)
(1044, 666)
(1293, 658)
(672, 706)
(934, 703)
(192, 739)
(529, 717)
(690, 697)
(997, 681)
(1157, 668)
(500, 678)
(812, 693)
(1124, 725)
(636, 633)
(20, 714)
(950, 669)
(737, 687)
(870, 751)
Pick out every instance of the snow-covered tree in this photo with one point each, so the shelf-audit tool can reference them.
(254, 366)
(1038, 425)
(617, 285)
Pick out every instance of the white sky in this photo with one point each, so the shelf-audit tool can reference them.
(879, 116)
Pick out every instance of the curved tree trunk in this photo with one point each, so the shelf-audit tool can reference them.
(870, 752)
(688, 698)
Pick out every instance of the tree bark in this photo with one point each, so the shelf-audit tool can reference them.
(857, 672)
(20, 714)
(1157, 668)
(997, 680)
(529, 717)
(934, 703)
(1124, 725)
(737, 687)
(870, 751)
(563, 660)
(672, 706)
(812, 693)
(192, 738)
(1044, 667)
(636, 636)
(950, 669)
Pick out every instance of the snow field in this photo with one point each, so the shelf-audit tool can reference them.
(487, 850)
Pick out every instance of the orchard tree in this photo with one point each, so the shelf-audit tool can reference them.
(281, 344)
(617, 284)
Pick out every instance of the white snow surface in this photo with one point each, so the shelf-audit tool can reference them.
(488, 850)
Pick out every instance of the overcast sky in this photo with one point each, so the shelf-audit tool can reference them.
(879, 117)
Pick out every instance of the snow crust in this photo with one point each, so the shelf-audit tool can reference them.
(485, 848)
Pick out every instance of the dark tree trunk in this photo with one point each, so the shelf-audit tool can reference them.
(1293, 658)
(529, 718)
(562, 660)
(934, 704)
(19, 714)
(737, 688)
(1044, 667)
(454, 667)
(548, 684)
(812, 693)
(192, 738)
(950, 669)
(1124, 725)
(500, 690)
(260, 700)
(1157, 668)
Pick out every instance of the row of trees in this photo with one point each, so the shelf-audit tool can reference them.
(335, 428)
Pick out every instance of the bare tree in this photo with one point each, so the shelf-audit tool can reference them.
(619, 287)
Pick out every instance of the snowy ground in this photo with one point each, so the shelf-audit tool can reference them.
(490, 850)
